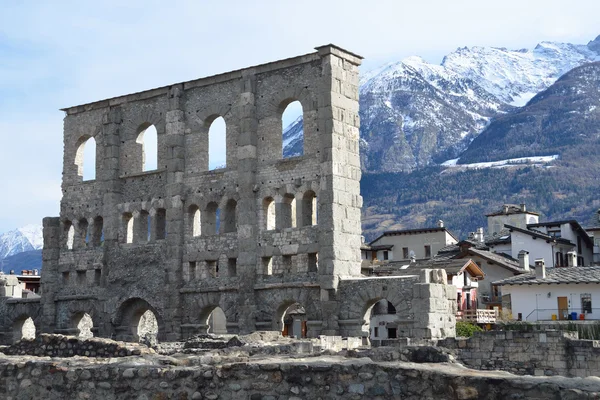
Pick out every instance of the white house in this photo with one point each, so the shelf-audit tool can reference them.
(511, 214)
(553, 293)
(420, 244)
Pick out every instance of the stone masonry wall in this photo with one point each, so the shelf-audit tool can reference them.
(322, 378)
(132, 241)
(533, 353)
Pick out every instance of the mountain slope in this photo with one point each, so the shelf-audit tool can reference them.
(566, 116)
(415, 114)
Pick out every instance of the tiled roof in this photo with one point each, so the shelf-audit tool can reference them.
(500, 259)
(413, 231)
(510, 209)
(556, 276)
(540, 235)
(574, 224)
(451, 266)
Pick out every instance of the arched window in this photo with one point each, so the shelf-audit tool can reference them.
(195, 220)
(286, 216)
(70, 234)
(210, 222)
(128, 227)
(269, 213)
(148, 138)
(292, 123)
(85, 159)
(309, 208)
(147, 327)
(217, 144)
(229, 219)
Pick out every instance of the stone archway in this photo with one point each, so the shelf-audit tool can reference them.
(137, 320)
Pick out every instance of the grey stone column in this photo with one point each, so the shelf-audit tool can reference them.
(339, 200)
(110, 185)
(50, 276)
(247, 221)
(175, 130)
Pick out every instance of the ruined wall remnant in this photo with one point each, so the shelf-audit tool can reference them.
(250, 239)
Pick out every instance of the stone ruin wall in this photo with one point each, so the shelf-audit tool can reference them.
(333, 378)
(114, 274)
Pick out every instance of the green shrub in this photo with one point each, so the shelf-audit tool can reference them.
(466, 329)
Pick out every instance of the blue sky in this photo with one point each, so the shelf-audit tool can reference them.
(55, 54)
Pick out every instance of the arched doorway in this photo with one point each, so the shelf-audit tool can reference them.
(138, 321)
(291, 320)
(213, 320)
(380, 321)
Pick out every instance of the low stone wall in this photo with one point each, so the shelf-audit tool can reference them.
(159, 378)
(540, 352)
(68, 346)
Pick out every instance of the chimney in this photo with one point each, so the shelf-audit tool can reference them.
(523, 208)
(479, 235)
(505, 209)
(36, 272)
(524, 260)
(440, 223)
(540, 268)
(572, 258)
(12, 271)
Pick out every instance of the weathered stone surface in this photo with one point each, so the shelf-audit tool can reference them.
(167, 254)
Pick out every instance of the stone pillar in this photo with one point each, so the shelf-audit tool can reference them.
(111, 188)
(50, 276)
(339, 201)
(434, 306)
(247, 218)
(175, 158)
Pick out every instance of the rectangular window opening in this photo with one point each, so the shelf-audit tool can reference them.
(427, 251)
(65, 277)
(386, 255)
(192, 270)
(405, 253)
(97, 276)
(81, 277)
(313, 262)
(267, 264)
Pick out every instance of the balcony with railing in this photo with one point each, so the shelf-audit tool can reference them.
(478, 316)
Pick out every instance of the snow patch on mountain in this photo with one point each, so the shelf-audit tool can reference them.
(293, 138)
(20, 240)
(511, 162)
(34, 234)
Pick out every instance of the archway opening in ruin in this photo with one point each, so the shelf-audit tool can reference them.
(217, 144)
(292, 123)
(269, 213)
(70, 232)
(84, 325)
(137, 321)
(85, 159)
(148, 139)
(24, 329)
(380, 321)
(128, 227)
(215, 320)
(195, 220)
(291, 320)
(160, 224)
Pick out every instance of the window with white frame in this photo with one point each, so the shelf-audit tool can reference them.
(586, 303)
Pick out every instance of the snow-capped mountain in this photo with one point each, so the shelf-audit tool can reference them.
(20, 240)
(415, 114)
(293, 143)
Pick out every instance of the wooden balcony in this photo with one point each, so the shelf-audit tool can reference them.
(478, 316)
